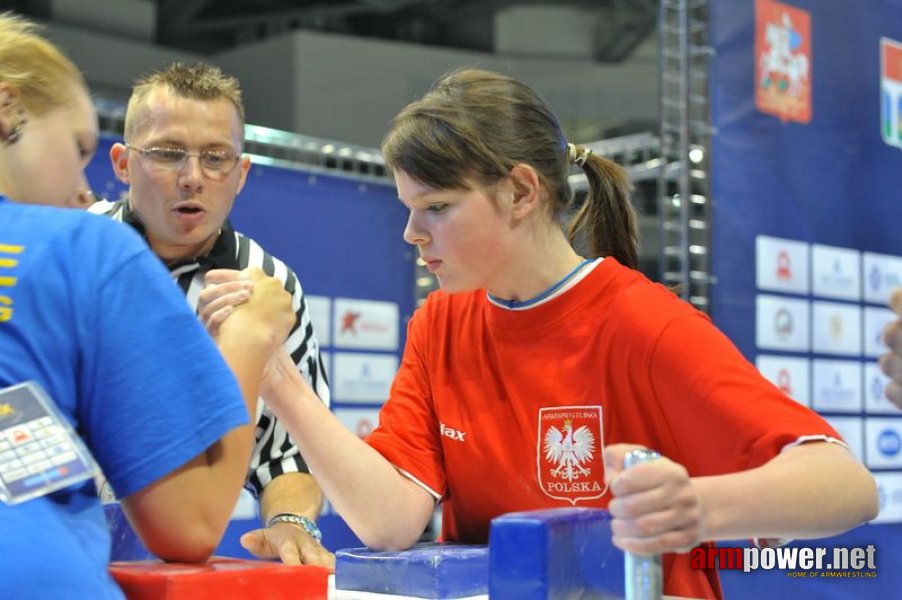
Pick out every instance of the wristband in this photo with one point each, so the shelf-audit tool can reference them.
(301, 521)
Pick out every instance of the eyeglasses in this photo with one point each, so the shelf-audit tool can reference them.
(215, 163)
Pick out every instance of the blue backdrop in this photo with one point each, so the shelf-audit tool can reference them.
(828, 177)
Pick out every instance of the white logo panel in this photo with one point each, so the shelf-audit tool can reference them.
(884, 442)
(851, 430)
(836, 328)
(363, 377)
(882, 274)
(781, 265)
(837, 386)
(836, 272)
(365, 324)
(320, 308)
(781, 323)
(875, 401)
(875, 319)
(889, 496)
(359, 421)
(790, 374)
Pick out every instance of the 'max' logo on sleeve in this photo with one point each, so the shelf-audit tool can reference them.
(452, 433)
(8, 262)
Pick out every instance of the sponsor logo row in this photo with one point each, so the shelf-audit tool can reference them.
(838, 386)
(795, 267)
(795, 325)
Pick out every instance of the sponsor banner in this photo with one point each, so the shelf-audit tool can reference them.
(320, 308)
(781, 265)
(891, 91)
(836, 328)
(783, 61)
(362, 377)
(875, 401)
(882, 274)
(875, 320)
(789, 373)
(782, 323)
(883, 442)
(365, 324)
(836, 386)
(851, 430)
(889, 496)
(359, 421)
(835, 272)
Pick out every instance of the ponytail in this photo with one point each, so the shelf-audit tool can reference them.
(476, 124)
(607, 215)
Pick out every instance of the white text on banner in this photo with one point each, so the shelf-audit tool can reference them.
(836, 386)
(835, 272)
(362, 377)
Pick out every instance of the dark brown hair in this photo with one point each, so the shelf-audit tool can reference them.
(476, 124)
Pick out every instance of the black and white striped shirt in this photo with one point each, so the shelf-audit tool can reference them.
(275, 453)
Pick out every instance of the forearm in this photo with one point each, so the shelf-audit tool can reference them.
(183, 515)
(296, 493)
(214, 479)
(384, 508)
(225, 464)
(809, 491)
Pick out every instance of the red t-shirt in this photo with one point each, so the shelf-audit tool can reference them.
(498, 410)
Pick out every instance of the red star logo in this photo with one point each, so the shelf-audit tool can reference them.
(348, 322)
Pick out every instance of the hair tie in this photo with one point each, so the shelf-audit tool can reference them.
(578, 156)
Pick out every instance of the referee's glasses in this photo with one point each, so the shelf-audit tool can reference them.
(216, 163)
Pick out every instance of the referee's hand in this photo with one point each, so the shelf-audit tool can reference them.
(224, 289)
(257, 301)
(288, 543)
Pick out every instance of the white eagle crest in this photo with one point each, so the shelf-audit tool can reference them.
(568, 449)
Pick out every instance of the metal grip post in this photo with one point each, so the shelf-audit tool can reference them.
(644, 579)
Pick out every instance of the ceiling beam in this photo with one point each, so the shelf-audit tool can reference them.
(176, 15)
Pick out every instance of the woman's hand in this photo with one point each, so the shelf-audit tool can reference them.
(655, 507)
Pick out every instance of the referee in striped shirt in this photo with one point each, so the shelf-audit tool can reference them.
(182, 161)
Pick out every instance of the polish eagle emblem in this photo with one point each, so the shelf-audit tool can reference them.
(568, 449)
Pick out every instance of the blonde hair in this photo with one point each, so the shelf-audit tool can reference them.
(41, 73)
(199, 81)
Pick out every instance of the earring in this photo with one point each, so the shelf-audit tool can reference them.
(13, 136)
(16, 132)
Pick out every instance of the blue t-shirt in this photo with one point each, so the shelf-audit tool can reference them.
(87, 311)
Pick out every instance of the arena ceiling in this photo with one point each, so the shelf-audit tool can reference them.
(208, 26)
(211, 25)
